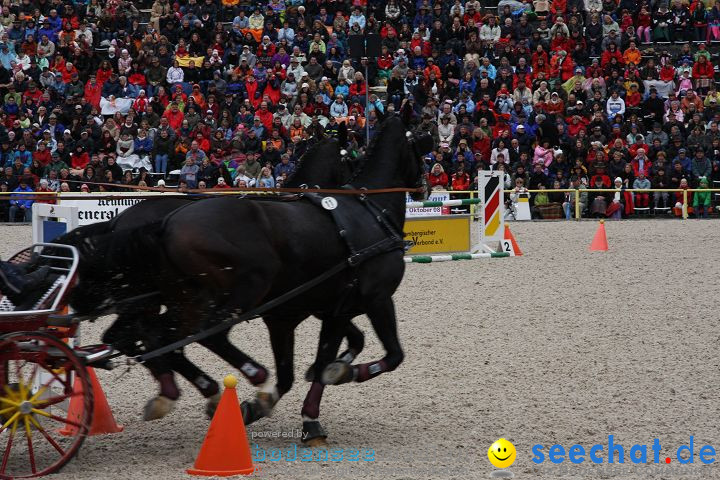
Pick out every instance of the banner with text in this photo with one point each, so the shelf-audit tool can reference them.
(447, 234)
(429, 211)
(98, 209)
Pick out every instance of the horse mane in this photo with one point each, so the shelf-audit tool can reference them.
(311, 150)
(372, 147)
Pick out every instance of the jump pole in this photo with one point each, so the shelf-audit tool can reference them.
(453, 257)
(445, 203)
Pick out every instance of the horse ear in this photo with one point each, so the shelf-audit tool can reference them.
(343, 134)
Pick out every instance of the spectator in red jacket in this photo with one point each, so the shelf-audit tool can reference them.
(221, 184)
(357, 89)
(611, 52)
(460, 180)
(42, 154)
(437, 177)
(44, 187)
(174, 116)
(703, 73)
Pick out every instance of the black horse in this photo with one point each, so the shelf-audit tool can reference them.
(141, 321)
(222, 257)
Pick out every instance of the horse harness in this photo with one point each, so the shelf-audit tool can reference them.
(353, 229)
(363, 242)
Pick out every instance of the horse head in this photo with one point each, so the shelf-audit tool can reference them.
(325, 164)
(420, 145)
(394, 157)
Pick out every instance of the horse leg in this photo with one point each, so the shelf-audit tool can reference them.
(356, 343)
(122, 335)
(163, 403)
(384, 322)
(282, 339)
(330, 338)
(254, 372)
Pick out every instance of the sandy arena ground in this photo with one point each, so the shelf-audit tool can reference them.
(558, 346)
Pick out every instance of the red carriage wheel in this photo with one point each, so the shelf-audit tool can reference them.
(39, 375)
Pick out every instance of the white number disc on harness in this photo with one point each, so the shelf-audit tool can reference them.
(329, 203)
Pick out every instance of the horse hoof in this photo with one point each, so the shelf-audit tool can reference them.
(252, 411)
(310, 374)
(337, 372)
(158, 407)
(212, 404)
(319, 442)
(314, 435)
(266, 402)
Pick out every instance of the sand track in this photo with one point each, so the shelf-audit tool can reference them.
(558, 346)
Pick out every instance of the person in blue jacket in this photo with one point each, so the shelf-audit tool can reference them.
(20, 203)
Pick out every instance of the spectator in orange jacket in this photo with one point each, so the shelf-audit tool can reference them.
(632, 54)
(432, 68)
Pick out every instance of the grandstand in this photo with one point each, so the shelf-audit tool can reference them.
(113, 94)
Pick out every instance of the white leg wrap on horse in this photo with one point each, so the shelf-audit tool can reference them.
(270, 388)
(268, 396)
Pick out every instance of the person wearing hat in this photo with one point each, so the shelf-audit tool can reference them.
(56, 164)
(620, 204)
(659, 134)
(702, 200)
(653, 107)
(44, 187)
(339, 109)
(701, 166)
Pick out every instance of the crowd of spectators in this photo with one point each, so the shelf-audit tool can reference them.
(582, 94)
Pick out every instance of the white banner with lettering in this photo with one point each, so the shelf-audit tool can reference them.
(436, 196)
(98, 209)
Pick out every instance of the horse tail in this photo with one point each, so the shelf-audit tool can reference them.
(103, 249)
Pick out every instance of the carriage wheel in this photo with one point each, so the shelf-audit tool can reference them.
(39, 377)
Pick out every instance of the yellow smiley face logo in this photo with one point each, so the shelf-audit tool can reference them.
(502, 453)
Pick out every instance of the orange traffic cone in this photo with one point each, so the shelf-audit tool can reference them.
(509, 236)
(599, 243)
(225, 450)
(102, 420)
